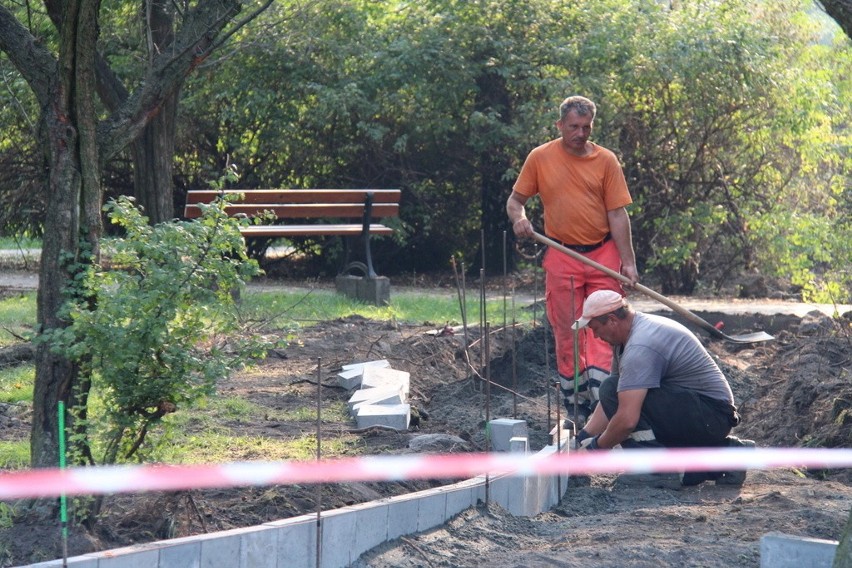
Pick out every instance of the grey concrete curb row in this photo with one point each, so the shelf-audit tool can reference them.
(345, 533)
(349, 532)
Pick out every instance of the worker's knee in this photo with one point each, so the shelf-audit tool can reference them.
(608, 393)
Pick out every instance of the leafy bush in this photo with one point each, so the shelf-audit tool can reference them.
(152, 331)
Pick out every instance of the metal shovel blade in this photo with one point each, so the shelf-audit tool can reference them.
(755, 337)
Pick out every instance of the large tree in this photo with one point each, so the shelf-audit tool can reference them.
(77, 141)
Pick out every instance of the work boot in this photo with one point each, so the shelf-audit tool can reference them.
(735, 478)
(693, 478)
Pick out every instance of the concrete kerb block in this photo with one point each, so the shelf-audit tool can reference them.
(432, 510)
(498, 489)
(181, 555)
(380, 363)
(371, 526)
(503, 430)
(351, 374)
(519, 444)
(377, 395)
(258, 548)
(396, 416)
(402, 515)
(779, 550)
(84, 561)
(338, 537)
(462, 496)
(297, 541)
(137, 556)
(383, 377)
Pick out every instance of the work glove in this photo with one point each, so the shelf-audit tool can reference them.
(582, 440)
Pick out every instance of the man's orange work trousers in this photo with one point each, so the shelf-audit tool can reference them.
(564, 294)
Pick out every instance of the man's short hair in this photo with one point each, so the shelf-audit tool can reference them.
(580, 105)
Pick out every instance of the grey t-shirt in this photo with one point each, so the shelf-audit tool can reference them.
(660, 350)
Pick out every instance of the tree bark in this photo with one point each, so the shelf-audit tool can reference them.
(153, 151)
(76, 148)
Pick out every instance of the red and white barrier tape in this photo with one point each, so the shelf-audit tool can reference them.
(133, 479)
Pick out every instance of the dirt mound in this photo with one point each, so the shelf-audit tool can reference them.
(794, 391)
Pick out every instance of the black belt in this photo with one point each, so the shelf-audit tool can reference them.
(585, 248)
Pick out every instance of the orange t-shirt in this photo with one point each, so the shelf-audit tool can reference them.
(576, 191)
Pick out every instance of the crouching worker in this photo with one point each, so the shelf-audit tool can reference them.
(665, 390)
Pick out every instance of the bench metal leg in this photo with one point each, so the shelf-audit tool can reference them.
(368, 215)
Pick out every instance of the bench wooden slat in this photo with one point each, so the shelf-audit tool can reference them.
(335, 205)
(311, 230)
(305, 210)
(284, 196)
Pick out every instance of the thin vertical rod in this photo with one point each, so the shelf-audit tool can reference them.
(576, 350)
(505, 278)
(514, 361)
(63, 500)
(319, 457)
(487, 351)
(535, 289)
(482, 316)
(558, 441)
(547, 379)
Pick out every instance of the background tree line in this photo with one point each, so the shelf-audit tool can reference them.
(731, 119)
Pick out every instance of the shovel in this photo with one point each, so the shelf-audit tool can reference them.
(707, 326)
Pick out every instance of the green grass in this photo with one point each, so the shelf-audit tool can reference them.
(15, 455)
(284, 309)
(16, 384)
(19, 242)
(17, 317)
(202, 434)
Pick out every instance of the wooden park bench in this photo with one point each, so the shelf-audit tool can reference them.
(329, 212)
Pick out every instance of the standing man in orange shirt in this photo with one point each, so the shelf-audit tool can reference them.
(582, 188)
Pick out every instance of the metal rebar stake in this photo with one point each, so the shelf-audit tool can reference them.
(319, 457)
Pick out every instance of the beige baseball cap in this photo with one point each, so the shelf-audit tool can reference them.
(597, 304)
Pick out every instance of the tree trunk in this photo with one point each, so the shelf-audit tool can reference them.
(154, 149)
(69, 126)
(153, 155)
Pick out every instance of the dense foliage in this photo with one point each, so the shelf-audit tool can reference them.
(731, 118)
(150, 332)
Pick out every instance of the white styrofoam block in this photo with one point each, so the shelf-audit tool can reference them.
(378, 377)
(396, 416)
(364, 365)
(503, 430)
(374, 393)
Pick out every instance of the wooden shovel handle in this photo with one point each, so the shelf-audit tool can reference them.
(625, 280)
